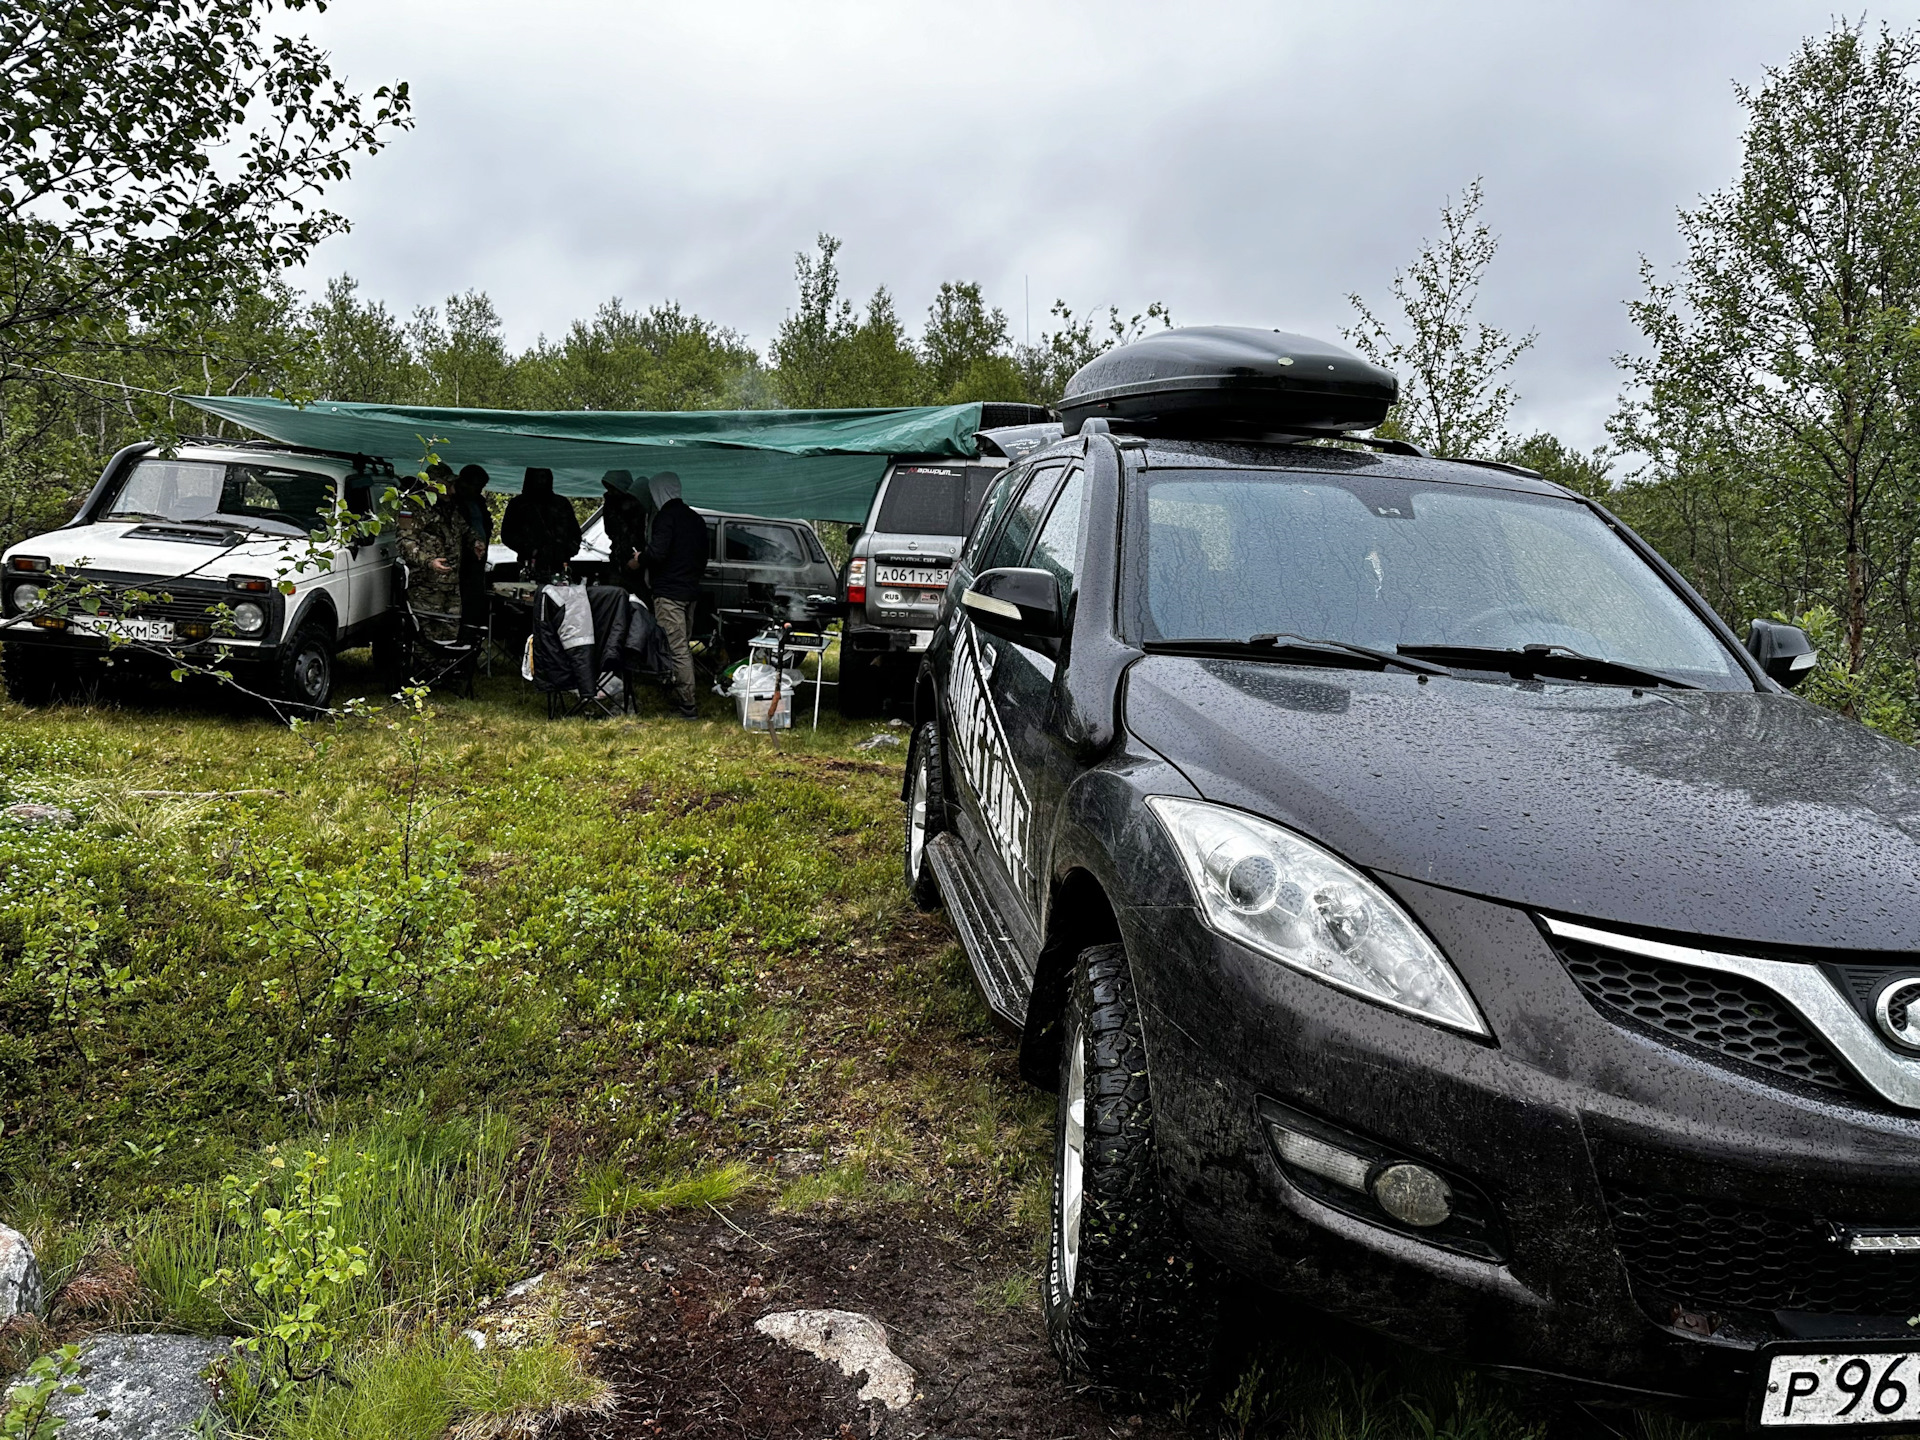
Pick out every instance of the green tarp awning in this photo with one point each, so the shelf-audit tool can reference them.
(797, 464)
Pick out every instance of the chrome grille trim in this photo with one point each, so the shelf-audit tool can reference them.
(1801, 985)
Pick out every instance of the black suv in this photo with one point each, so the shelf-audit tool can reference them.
(1423, 906)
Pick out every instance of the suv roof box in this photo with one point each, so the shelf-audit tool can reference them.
(1229, 381)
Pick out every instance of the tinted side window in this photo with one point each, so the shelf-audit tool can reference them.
(763, 544)
(1058, 548)
(990, 513)
(1022, 520)
(713, 538)
(814, 547)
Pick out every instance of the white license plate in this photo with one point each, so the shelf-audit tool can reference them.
(912, 575)
(155, 632)
(1840, 1388)
(921, 639)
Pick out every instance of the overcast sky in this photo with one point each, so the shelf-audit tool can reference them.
(1244, 163)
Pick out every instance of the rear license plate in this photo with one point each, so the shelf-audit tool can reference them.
(911, 575)
(156, 632)
(1859, 1386)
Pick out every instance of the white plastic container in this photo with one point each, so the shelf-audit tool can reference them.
(755, 711)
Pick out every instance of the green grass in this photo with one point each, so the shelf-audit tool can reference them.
(674, 970)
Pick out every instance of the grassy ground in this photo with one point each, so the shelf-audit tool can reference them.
(373, 1019)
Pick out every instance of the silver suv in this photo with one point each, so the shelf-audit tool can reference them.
(902, 558)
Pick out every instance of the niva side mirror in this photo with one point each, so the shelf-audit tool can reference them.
(1016, 604)
(1784, 651)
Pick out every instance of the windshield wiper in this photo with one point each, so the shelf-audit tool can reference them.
(134, 515)
(1559, 661)
(1283, 645)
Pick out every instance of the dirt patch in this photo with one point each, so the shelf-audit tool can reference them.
(643, 800)
(673, 1334)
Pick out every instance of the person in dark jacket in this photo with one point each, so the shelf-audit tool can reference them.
(676, 559)
(540, 527)
(469, 494)
(625, 517)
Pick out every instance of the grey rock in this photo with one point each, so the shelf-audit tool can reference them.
(141, 1387)
(856, 1343)
(31, 814)
(19, 1276)
(875, 742)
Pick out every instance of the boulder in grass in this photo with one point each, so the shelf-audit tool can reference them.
(19, 1276)
(141, 1387)
(33, 815)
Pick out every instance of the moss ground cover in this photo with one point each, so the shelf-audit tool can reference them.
(386, 1014)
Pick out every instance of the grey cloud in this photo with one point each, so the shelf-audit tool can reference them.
(1242, 162)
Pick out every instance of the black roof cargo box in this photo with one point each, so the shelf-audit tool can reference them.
(1229, 380)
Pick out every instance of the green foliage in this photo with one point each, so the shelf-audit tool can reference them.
(423, 1388)
(1452, 400)
(1774, 406)
(1590, 475)
(30, 1397)
(301, 1271)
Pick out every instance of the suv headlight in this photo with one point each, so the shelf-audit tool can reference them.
(249, 618)
(25, 597)
(1284, 896)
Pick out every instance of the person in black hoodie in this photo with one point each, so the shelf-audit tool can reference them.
(676, 560)
(625, 518)
(469, 494)
(540, 527)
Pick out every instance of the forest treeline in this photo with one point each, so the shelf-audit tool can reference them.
(1766, 439)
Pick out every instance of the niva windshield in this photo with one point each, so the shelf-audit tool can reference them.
(1387, 563)
(258, 496)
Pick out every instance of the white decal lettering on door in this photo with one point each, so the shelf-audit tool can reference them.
(985, 759)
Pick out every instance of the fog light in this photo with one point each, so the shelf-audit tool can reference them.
(248, 618)
(1414, 1195)
(1317, 1157)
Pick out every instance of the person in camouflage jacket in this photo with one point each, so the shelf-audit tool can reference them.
(433, 537)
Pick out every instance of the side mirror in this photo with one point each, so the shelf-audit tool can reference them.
(1784, 651)
(1016, 604)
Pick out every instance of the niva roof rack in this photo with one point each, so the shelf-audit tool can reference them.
(1229, 382)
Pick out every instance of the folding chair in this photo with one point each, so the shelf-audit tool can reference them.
(425, 658)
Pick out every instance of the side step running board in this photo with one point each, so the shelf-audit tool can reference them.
(996, 965)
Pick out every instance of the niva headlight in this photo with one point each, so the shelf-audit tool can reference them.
(1284, 896)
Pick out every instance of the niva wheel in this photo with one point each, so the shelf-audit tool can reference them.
(305, 670)
(1128, 1305)
(926, 814)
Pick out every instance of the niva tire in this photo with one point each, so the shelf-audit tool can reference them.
(39, 674)
(1128, 1304)
(303, 670)
(926, 813)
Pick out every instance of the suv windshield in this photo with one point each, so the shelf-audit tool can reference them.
(1391, 563)
(257, 495)
(934, 500)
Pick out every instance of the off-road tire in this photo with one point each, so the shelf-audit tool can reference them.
(1141, 1317)
(926, 763)
(303, 669)
(858, 693)
(38, 674)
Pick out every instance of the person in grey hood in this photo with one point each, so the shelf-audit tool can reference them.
(676, 561)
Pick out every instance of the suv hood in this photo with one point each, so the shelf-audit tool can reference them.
(1743, 816)
(115, 548)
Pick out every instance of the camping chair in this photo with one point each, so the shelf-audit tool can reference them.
(588, 677)
(425, 658)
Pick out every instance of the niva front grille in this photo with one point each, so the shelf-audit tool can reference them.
(1733, 1017)
(1710, 1254)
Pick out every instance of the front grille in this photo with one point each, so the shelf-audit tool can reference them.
(1716, 1253)
(1733, 1017)
(179, 604)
